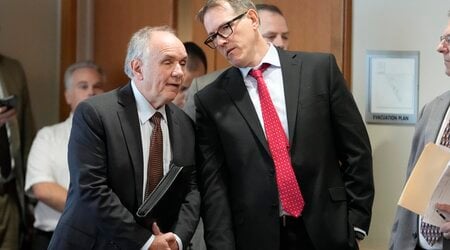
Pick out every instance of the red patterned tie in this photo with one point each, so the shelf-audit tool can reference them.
(155, 159)
(430, 232)
(288, 188)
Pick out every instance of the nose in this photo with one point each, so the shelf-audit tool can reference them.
(91, 91)
(443, 47)
(220, 41)
(278, 41)
(178, 71)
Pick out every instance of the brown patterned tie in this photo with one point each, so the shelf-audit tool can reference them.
(5, 156)
(155, 159)
(431, 233)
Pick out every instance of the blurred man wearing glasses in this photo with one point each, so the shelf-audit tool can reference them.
(409, 232)
(286, 159)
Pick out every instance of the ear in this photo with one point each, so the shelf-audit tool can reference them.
(253, 15)
(136, 67)
(68, 96)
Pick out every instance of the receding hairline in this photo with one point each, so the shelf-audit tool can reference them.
(236, 5)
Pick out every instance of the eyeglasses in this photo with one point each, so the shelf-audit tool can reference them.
(223, 31)
(445, 38)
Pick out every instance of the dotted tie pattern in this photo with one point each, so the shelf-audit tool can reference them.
(155, 160)
(430, 232)
(290, 196)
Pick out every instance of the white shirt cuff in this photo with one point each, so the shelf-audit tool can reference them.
(149, 242)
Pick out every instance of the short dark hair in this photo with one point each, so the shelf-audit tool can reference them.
(195, 55)
(269, 7)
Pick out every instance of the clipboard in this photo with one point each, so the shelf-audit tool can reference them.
(159, 192)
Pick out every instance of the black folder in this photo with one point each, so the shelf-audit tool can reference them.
(158, 193)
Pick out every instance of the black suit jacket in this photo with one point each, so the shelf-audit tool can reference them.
(106, 175)
(329, 148)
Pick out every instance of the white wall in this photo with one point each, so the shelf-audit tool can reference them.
(395, 25)
(28, 33)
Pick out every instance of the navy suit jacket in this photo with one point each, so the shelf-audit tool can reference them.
(106, 175)
(329, 149)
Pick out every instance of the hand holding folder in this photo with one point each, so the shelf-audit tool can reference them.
(145, 210)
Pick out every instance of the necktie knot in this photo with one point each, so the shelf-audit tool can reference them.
(156, 118)
(257, 73)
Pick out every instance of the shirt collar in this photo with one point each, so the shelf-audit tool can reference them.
(144, 109)
(271, 57)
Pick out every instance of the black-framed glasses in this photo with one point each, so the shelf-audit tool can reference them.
(223, 31)
(445, 38)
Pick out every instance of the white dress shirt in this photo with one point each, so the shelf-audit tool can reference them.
(47, 162)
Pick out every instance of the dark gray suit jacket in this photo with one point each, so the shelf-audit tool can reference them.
(106, 175)
(329, 148)
(198, 83)
(405, 233)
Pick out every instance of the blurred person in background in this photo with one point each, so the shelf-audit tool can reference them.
(47, 177)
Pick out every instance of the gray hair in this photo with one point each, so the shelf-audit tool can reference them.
(138, 44)
(239, 6)
(81, 65)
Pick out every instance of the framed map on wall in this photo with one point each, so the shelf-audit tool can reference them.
(392, 84)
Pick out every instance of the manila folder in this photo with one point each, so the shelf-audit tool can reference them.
(424, 178)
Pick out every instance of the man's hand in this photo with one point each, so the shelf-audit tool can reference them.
(445, 228)
(162, 241)
(6, 115)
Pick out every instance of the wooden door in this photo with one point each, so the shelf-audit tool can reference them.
(323, 26)
(116, 21)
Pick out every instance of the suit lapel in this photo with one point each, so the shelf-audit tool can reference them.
(439, 112)
(291, 68)
(174, 130)
(236, 89)
(129, 121)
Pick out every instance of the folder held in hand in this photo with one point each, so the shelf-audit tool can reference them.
(160, 190)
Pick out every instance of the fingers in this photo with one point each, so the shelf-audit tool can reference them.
(446, 235)
(443, 207)
(155, 229)
(6, 115)
(445, 228)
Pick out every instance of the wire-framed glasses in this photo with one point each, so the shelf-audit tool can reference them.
(223, 31)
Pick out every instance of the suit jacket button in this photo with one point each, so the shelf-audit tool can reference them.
(414, 235)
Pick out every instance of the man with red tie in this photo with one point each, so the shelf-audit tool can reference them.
(286, 159)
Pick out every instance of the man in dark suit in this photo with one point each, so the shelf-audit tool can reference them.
(113, 158)
(286, 159)
(407, 233)
(16, 134)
